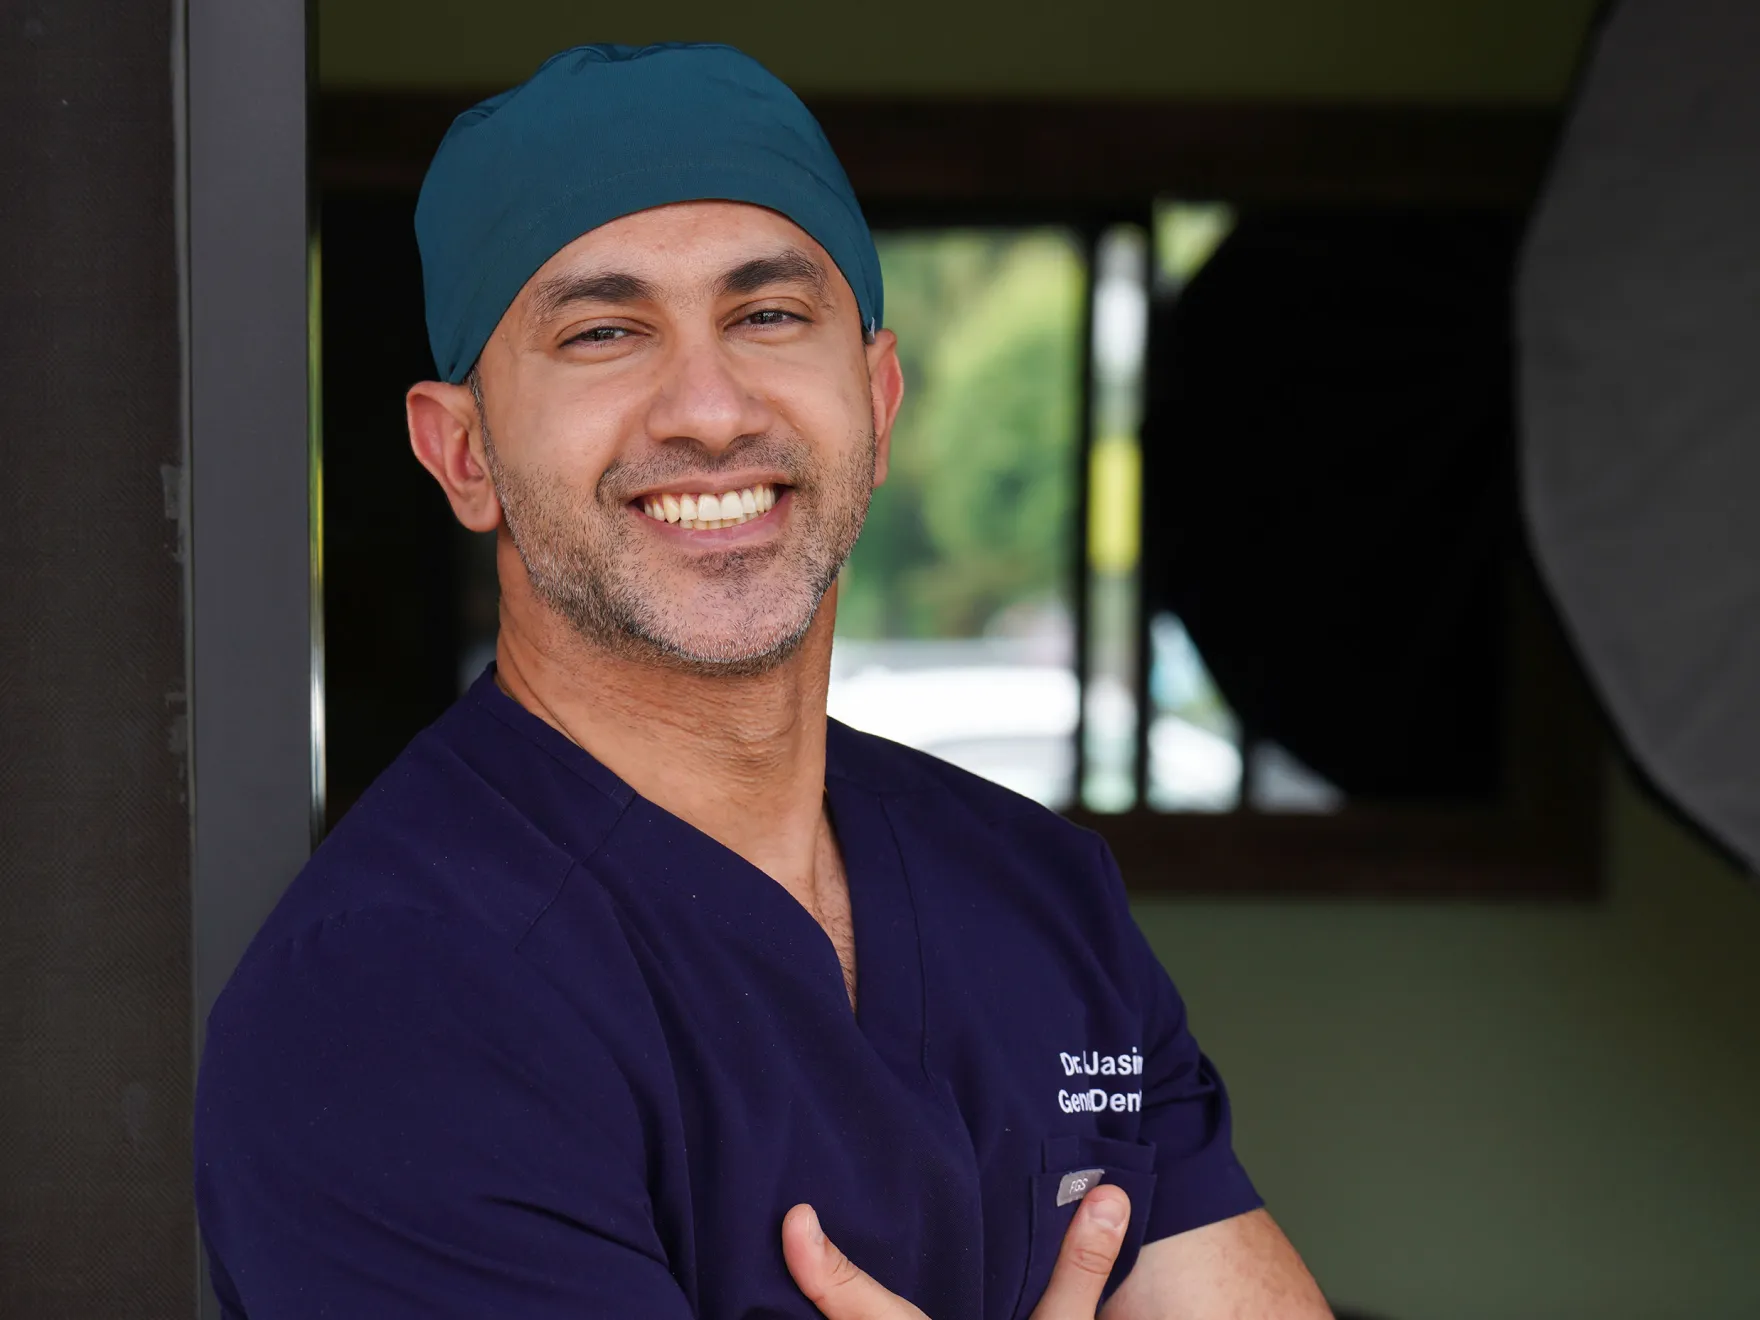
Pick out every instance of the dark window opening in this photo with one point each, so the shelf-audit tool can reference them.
(1200, 526)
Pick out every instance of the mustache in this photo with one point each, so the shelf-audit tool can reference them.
(625, 478)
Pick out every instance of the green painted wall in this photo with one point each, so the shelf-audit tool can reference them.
(1459, 50)
(1482, 1112)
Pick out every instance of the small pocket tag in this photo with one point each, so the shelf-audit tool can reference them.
(1074, 1186)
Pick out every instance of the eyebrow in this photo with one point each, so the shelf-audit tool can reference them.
(610, 286)
(786, 267)
(561, 292)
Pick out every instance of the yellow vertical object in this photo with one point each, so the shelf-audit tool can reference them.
(1115, 504)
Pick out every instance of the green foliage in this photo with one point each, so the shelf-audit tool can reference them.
(977, 514)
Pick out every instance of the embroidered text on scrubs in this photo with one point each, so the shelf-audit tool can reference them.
(1095, 1064)
(1098, 1100)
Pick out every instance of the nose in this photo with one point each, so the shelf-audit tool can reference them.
(705, 397)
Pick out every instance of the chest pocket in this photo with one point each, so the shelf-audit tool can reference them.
(1126, 1164)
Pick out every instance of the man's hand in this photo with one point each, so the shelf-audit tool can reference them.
(841, 1291)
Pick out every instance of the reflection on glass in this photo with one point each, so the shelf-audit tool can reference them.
(1115, 504)
(1186, 234)
(320, 777)
(1277, 781)
(1194, 738)
(954, 628)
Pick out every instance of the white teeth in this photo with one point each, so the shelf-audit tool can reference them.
(706, 512)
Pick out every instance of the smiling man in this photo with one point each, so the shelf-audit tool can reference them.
(634, 985)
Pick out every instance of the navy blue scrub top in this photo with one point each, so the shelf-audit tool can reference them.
(517, 1042)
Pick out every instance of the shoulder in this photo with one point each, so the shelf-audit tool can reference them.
(461, 828)
(432, 835)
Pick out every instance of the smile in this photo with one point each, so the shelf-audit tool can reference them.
(701, 513)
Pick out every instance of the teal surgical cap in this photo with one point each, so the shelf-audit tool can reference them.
(600, 132)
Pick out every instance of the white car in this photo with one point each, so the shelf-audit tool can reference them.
(1015, 724)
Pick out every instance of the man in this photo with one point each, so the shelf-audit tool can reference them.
(633, 985)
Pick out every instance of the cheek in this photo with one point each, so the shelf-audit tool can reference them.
(829, 406)
(569, 433)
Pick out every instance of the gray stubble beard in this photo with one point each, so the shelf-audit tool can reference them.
(585, 582)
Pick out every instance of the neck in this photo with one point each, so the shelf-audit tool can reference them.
(740, 758)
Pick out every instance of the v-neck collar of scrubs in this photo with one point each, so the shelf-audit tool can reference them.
(890, 1006)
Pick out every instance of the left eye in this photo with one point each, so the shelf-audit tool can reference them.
(771, 316)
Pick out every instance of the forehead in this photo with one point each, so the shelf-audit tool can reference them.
(685, 245)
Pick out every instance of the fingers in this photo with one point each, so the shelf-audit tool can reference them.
(1085, 1260)
(831, 1280)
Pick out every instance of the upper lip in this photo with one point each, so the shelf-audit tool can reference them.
(709, 485)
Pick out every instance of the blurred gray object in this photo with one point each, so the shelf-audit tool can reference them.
(1638, 311)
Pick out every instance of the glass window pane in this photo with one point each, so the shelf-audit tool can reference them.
(954, 627)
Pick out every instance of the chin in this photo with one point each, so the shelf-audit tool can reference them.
(748, 652)
(725, 665)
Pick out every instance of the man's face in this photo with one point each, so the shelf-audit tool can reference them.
(683, 432)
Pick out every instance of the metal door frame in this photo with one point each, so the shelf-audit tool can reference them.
(252, 465)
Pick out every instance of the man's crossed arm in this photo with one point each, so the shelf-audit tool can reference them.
(1240, 1269)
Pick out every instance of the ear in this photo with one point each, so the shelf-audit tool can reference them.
(446, 435)
(886, 386)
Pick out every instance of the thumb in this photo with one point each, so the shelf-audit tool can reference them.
(830, 1279)
(1086, 1258)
